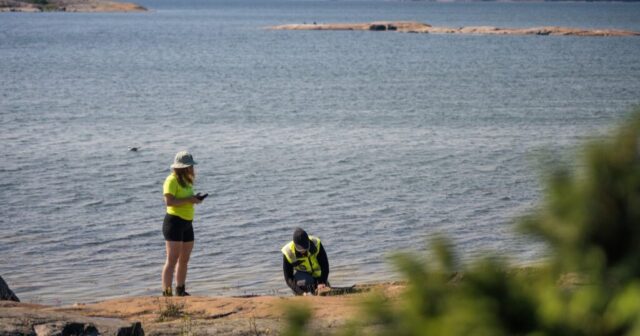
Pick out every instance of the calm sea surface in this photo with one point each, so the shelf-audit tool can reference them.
(375, 142)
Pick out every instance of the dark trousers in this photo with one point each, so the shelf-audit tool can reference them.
(305, 282)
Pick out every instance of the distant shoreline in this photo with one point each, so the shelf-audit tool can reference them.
(86, 6)
(520, 1)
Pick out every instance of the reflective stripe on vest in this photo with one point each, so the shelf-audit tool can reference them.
(307, 264)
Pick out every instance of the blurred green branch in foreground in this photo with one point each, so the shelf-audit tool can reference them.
(589, 219)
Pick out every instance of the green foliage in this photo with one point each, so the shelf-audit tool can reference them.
(589, 219)
(50, 8)
(37, 2)
(487, 301)
(297, 320)
(45, 5)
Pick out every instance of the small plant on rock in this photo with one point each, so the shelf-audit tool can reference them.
(170, 310)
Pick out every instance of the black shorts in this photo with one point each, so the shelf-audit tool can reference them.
(175, 228)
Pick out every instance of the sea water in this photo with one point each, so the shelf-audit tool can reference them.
(374, 141)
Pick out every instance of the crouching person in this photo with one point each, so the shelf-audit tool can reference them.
(305, 264)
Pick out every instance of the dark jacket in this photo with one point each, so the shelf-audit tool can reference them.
(288, 270)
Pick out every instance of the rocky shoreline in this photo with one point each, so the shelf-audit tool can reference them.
(85, 6)
(331, 311)
(418, 27)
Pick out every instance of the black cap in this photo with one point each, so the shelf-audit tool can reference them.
(301, 238)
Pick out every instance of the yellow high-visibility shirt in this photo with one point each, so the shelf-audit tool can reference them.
(171, 186)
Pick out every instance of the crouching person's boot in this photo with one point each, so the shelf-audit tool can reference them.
(180, 291)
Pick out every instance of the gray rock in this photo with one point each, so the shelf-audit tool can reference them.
(6, 293)
(29, 319)
(64, 328)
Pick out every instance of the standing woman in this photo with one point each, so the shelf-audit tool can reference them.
(177, 227)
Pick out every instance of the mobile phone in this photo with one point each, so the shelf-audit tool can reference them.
(201, 197)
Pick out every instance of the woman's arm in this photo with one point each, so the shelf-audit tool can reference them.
(171, 200)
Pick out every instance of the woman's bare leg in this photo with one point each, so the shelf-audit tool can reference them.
(174, 248)
(183, 261)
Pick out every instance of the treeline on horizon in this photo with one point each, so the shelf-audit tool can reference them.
(588, 218)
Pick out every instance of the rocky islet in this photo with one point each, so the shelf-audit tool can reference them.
(419, 27)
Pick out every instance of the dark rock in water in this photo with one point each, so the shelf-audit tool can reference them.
(133, 149)
(378, 27)
(382, 27)
(6, 293)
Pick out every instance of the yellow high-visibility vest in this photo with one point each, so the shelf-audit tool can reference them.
(308, 263)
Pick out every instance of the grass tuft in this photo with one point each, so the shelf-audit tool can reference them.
(170, 310)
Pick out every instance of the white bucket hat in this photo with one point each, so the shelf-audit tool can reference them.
(183, 160)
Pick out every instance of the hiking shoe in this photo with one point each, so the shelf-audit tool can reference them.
(180, 291)
(167, 292)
